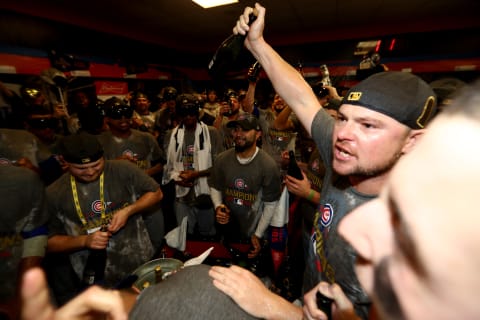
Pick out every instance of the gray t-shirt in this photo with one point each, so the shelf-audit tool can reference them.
(128, 248)
(244, 186)
(15, 144)
(274, 141)
(334, 259)
(23, 215)
(139, 145)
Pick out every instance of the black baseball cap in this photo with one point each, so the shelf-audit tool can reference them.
(187, 104)
(399, 95)
(81, 148)
(116, 108)
(246, 122)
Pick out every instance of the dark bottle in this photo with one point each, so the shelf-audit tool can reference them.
(293, 168)
(227, 53)
(94, 272)
(324, 303)
(254, 71)
(238, 258)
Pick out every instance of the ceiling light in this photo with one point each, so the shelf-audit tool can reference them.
(213, 3)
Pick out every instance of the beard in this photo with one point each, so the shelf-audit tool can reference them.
(248, 144)
(378, 170)
(278, 108)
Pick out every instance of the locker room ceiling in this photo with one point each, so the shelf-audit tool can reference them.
(179, 27)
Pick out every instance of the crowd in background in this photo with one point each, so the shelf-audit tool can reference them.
(216, 160)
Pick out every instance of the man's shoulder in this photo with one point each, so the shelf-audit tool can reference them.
(105, 136)
(264, 156)
(227, 154)
(62, 183)
(142, 135)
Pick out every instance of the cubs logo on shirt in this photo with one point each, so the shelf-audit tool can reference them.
(5, 161)
(240, 184)
(327, 215)
(129, 153)
(97, 206)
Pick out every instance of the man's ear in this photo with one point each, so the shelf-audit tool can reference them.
(412, 139)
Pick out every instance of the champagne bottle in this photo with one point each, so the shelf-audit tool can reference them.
(227, 53)
(94, 272)
(253, 72)
(293, 168)
(325, 75)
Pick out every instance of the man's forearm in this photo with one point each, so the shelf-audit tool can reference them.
(145, 201)
(284, 310)
(64, 243)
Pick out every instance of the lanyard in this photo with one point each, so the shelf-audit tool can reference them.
(77, 203)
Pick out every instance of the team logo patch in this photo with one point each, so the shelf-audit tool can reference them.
(129, 153)
(354, 96)
(97, 206)
(240, 184)
(238, 202)
(5, 162)
(327, 215)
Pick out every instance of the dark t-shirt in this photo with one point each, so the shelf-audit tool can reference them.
(127, 249)
(274, 142)
(244, 186)
(139, 145)
(334, 259)
(23, 215)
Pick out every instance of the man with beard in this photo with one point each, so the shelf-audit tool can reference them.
(279, 124)
(143, 118)
(414, 264)
(244, 185)
(380, 119)
(230, 110)
(280, 127)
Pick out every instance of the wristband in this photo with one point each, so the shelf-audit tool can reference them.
(311, 194)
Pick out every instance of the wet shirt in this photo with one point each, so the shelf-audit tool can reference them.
(330, 257)
(15, 144)
(141, 146)
(128, 248)
(149, 120)
(243, 186)
(315, 173)
(23, 216)
(274, 141)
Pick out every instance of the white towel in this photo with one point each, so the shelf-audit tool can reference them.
(202, 159)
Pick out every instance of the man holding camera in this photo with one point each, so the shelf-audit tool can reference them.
(230, 110)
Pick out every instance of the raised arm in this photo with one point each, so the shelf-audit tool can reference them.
(286, 80)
